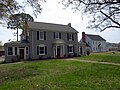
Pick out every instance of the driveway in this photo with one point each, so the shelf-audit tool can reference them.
(74, 59)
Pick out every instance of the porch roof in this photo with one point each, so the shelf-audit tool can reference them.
(58, 41)
(17, 43)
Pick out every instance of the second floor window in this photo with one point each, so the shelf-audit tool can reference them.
(57, 35)
(70, 36)
(41, 35)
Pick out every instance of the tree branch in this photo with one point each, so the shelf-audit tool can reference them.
(110, 18)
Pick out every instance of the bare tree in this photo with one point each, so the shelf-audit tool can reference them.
(104, 14)
(9, 7)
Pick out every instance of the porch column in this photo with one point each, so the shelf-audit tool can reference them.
(56, 50)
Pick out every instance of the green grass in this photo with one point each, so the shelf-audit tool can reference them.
(103, 57)
(59, 75)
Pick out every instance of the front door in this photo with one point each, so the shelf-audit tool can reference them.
(21, 52)
(58, 51)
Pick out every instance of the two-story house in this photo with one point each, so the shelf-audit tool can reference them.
(44, 40)
(92, 43)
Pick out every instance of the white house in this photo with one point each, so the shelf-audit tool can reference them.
(93, 43)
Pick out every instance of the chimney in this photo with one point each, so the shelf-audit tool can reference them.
(69, 24)
(83, 37)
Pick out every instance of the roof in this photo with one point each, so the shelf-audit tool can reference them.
(59, 41)
(95, 37)
(50, 27)
(16, 43)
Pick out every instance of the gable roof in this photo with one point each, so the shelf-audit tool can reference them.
(50, 27)
(95, 37)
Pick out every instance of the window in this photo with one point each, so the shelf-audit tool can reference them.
(41, 50)
(10, 50)
(70, 37)
(41, 35)
(57, 35)
(27, 50)
(70, 49)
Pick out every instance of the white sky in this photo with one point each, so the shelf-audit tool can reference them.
(53, 12)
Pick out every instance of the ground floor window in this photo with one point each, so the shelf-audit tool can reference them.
(70, 48)
(10, 50)
(41, 50)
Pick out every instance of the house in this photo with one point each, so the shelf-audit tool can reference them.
(92, 43)
(43, 40)
(113, 46)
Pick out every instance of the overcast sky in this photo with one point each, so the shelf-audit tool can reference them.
(53, 12)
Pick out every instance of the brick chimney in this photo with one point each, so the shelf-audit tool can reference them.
(83, 37)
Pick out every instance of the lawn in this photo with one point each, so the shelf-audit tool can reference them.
(59, 75)
(103, 57)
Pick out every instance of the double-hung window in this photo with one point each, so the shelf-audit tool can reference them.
(70, 36)
(41, 35)
(57, 35)
(41, 50)
(10, 50)
(70, 48)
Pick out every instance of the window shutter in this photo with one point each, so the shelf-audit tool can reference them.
(67, 36)
(45, 49)
(54, 35)
(44, 35)
(68, 49)
(37, 35)
(59, 35)
(72, 36)
(37, 50)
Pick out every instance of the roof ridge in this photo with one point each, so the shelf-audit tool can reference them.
(49, 23)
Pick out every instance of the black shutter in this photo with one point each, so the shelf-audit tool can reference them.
(72, 36)
(37, 35)
(59, 35)
(44, 35)
(67, 36)
(68, 49)
(54, 35)
(37, 50)
(45, 49)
